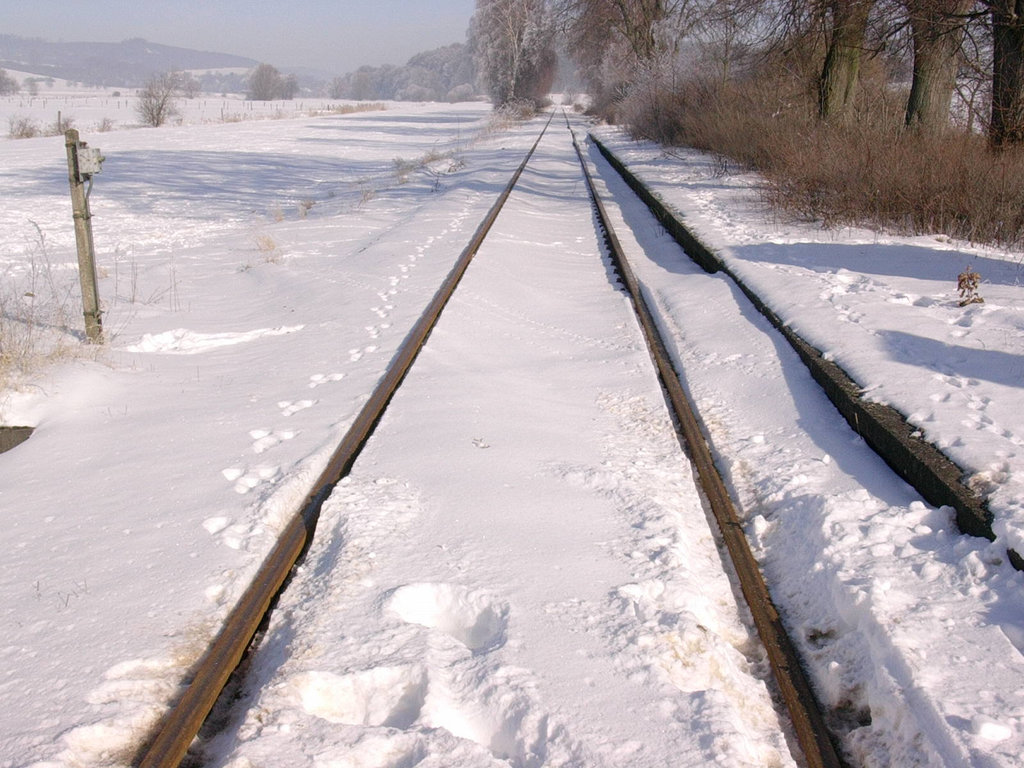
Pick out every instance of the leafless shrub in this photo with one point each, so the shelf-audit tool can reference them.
(60, 125)
(434, 163)
(404, 168)
(518, 110)
(270, 252)
(863, 170)
(22, 128)
(366, 193)
(35, 312)
(156, 103)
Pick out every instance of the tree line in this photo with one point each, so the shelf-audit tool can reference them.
(902, 115)
(944, 48)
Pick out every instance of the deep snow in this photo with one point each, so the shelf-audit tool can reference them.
(498, 595)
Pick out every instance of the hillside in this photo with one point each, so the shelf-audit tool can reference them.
(128, 63)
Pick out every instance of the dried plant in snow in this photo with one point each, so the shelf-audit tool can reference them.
(967, 283)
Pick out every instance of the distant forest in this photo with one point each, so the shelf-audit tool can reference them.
(444, 74)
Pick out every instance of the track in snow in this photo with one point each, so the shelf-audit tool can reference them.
(505, 718)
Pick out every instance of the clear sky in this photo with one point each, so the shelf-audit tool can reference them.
(336, 36)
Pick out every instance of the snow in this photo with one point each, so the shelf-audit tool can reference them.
(518, 570)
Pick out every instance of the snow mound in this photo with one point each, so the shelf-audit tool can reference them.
(382, 696)
(467, 616)
(182, 341)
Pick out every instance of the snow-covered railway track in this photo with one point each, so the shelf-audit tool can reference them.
(803, 708)
(176, 731)
(832, 526)
(407, 704)
(931, 473)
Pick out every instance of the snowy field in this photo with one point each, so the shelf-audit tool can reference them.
(518, 569)
(93, 109)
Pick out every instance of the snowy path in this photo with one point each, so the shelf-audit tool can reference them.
(518, 571)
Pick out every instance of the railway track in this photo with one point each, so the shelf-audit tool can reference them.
(814, 743)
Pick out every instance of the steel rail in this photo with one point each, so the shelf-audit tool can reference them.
(935, 476)
(804, 710)
(176, 730)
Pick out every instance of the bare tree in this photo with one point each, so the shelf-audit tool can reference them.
(156, 103)
(289, 87)
(615, 42)
(188, 86)
(513, 40)
(8, 84)
(937, 30)
(1007, 123)
(847, 30)
(725, 32)
(265, 83)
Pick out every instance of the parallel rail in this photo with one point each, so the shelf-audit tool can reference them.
(804, 710)
(170, 741)
(926, 468)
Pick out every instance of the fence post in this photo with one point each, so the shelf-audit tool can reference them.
(83, 238)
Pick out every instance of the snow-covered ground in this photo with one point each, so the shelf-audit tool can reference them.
(101, 109)
(518, 570)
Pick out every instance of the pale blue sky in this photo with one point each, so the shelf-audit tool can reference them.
(332, 35)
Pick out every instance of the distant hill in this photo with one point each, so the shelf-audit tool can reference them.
(126, 64)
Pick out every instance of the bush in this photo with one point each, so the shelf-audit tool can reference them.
(521, 109)
(22, 127)
(36, 308)
(464, 92)
(156, 103)
(61, 125)
(864, 170)
(8, 85)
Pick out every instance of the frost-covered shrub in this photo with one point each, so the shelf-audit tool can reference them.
(22, 127)
(8, 85)
(464, 92)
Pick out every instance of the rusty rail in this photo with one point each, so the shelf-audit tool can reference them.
(814, 738)
(172, 736)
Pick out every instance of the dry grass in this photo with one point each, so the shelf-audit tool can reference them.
(269, 250)
(349, 109)
(19, 127)
(864, 170)
(434, 163)
(22, 128)
(36, 311)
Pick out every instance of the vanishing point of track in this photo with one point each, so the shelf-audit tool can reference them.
(169, 743)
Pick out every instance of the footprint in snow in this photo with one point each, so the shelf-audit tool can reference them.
(354, 355)
(246, 479)
(319, 379)
(389, 696)
(289, 407)
(264, 439)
